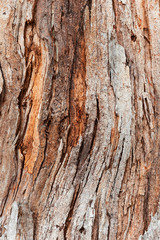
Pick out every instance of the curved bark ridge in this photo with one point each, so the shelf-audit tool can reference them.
(79, 107)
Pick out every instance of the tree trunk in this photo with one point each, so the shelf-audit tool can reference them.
(79, 119)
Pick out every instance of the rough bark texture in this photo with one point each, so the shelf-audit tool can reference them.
(79, 119)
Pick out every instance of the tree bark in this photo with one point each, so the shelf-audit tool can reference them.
(79, 119)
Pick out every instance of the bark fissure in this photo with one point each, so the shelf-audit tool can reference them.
(2, 86)
(81, 160)
(71, 211)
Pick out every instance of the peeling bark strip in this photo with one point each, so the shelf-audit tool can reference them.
(79, 119)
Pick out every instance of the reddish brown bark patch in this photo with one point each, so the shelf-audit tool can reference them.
(78, 97)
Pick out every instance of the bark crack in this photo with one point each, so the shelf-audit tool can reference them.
(2, 86)
(89, 151)
(70, 214)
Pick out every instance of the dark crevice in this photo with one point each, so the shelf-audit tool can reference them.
(88, 172)
(6, 197)
(46, 143)
(95, 229)
(146, 205)
(89, 152)
(133, 38)
(21, 170)
(62, 15)
(99, 180)
(35, 224)
(147, 117)
(146, 101)
(70, 214)
(90, 9)
(21, 104)
(109, 225)
(68, 7)
(110, 77)
(82, 230)
(20, 132)
(2, 94)
(146, 39)
(125, 172)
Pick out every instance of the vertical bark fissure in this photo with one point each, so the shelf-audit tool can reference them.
(2, 90)
(89, 152)
(89, 3)
(95, 228)
(71, 211)
(146, 206)
(21, 170)
(6, 198)
(45, 147)
(99, 180)
(22, 105)
(109, 219)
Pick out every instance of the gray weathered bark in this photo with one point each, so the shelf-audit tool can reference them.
(79, 119)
